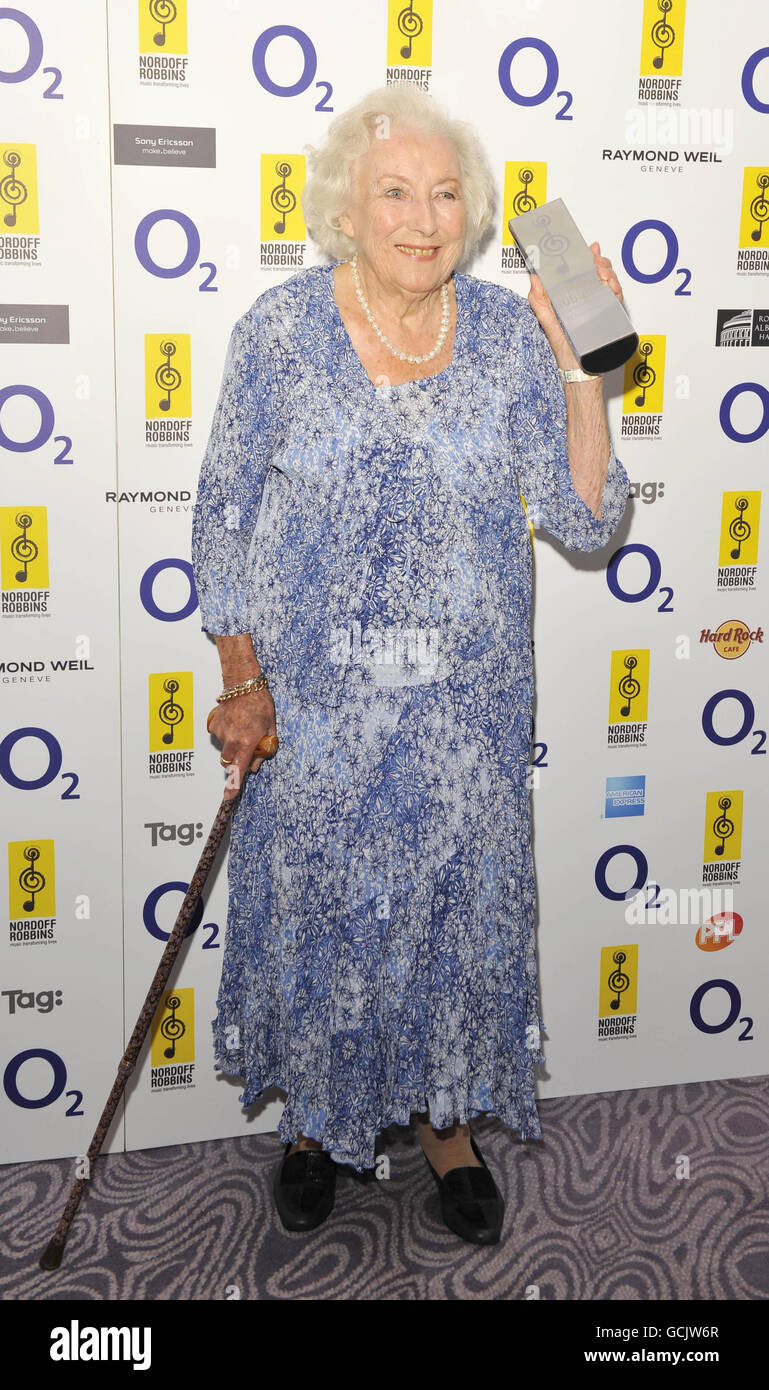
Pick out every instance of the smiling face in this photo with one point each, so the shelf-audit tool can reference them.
(407, 214)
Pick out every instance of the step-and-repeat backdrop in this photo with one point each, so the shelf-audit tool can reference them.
(152, 158)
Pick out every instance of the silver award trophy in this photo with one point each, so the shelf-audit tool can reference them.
(589, 313)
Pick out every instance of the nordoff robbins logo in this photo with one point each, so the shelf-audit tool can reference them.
(76, 1343)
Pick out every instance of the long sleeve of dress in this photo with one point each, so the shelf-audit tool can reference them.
(230, 485)
(538, 428)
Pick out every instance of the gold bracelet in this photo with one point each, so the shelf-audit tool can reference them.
(577, 374)
(243, 688)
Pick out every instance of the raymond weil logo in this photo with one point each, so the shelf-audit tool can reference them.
(171, 729)
(628, 697)
(410, 42)
(642, 398)
(19, 211)
(753, 252)
(662, 50)
(738, 543)
(284, 234)
(167, 389)
(163, 42)
(31, 891)
(723, 837)
(24, 560)
(172, 1050)
(618, 992)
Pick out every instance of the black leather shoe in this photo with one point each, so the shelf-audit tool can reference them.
(471, 1203)
(304, 1188)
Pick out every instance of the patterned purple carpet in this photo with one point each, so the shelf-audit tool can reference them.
(594, 1211)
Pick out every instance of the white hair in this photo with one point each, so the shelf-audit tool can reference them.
(328, 189)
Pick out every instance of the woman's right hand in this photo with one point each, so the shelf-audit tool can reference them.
(239, 724)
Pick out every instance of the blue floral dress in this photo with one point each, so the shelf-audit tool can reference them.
(380, 951)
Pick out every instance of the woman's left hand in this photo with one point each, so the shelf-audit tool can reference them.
(539, 300)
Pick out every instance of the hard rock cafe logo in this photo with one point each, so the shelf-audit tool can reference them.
(31, 891)
(163, 42)
(525, 190)
(644, 379)
(24, 561)
(738, 547)
(20, 225)
(753, 252)
(171, 730)
(172, 1049)
(732, 639)
(662, 50)
(723, 837)
(167, 389)
(284, 234)
(410, 42)
(618, 992)
(628, 698)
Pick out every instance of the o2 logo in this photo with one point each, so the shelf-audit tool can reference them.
(731, 1016)
(20, 1091)
(725, 412)
(748, 78)
(669, 264)
(746, 727)
(34, 55)
(45, 429)
(652, 583)
(188, 261)
(150, 920)
(147, 591)
(618, 895)
(50, 772)
(548, 86)
(309, 68)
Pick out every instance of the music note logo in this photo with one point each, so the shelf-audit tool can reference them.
(629, 693)
(644, 378)
(31, 879)
(409, 34)
(170, 711)
(12, 191)
(553, 244)
(523, 201)
(663, 35)
(283, 177)
(167, 378)
(739, 528)
(759, 207)
(18, 189)
(525, 189)
(618, 988)
(23, 535)
(162, 26)
(411, 26)
(723, 827)
(662, 41)
(282, 198)
(173, 1030)
(738, 546)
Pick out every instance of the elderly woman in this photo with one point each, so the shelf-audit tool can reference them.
(387, 430)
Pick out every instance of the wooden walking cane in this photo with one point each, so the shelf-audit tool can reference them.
(52, 1255)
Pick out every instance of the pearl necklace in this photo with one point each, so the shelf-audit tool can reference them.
(404, 356)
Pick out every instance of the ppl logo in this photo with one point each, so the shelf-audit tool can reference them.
(719, 931)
